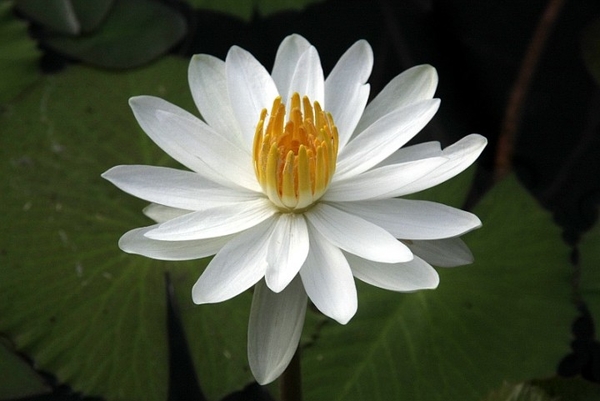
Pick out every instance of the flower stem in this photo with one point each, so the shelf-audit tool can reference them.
(291, 380)
(520, 89)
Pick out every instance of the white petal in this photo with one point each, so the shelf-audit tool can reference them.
(286, 60)
(174, 188)
(382, 182)
(356, 235)
(414, 219)
(410, 276)
(193, 143)
(137, 243)
(414, 152)
(176, 144)
(214, 222)
(308, 78)
(459, 156)
(384, 137)
(208, 83)
(346, 89)
(160, 213)
(251, 89)
(239, 265)
(328, 280)
(449, 252)
(288, 248)
(274, 329)
(413, 85)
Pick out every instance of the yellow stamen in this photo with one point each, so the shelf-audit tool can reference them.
(294, 160)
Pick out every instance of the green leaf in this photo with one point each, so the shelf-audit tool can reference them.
(91, 14)
(19, 380)
(57, 15)
(505, 318)
(134, 33)
(69, 298)
(268, 7)
(590, 46)
(245, 8)
(589, 284)
(18, 55)
(519, 392)
(238, 8)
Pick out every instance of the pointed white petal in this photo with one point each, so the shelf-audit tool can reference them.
(136, 242)
(413, 85)
(382, 182)
(384, 137)
(404, 277)
(160, 213)
(356, 235)
(308, 78)
(288, 248)
(239, 265)
(174, 188)
(459, 156)
(414, 219)
(179, 144)
(193, 143)
(251, 89)
(414, 152)
(449, 252)
(346, 89)
(286, 60)
(214, 222)
(208, 83)
(274, 329)
(328, 280)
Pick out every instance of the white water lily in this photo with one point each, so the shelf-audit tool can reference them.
(294, 188)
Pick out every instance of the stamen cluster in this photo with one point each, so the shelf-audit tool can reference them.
(294, 160)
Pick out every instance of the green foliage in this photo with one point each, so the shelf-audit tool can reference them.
(70, 17)
(518, 392)
(57, 15)
(134, 32)
(18, 55)
(589, 282)
(69, 298)
(505, 318)
(18, 378)
(245, 8)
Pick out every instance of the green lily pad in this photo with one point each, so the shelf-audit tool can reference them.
(268, 7)
(519, 392)
(18, 378)
(244, 9)
(57, 15)
(507, 318)
(134, 33)
(69, 298)
(589, 284)
(18, 55)
(91, 14)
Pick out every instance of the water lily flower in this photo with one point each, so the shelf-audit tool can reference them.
(295, 186)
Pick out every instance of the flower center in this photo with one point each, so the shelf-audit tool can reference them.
(294, 160)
